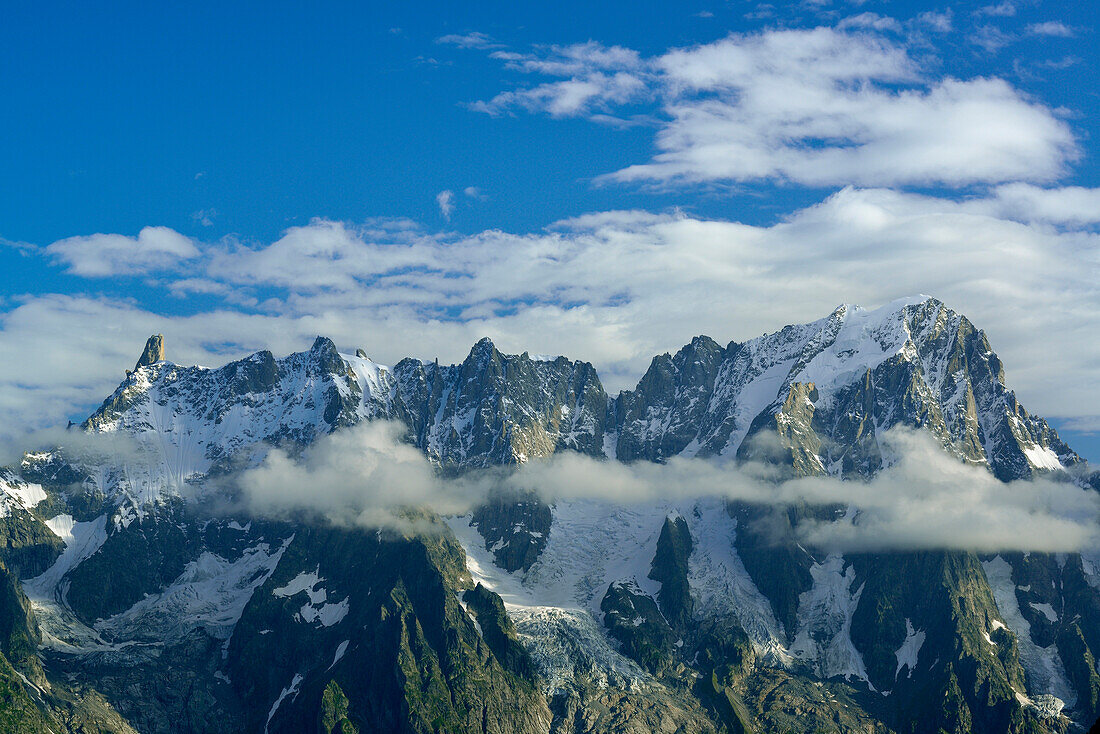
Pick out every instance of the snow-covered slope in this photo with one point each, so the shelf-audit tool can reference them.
(177, 424)
(17, 494)
(187, 420)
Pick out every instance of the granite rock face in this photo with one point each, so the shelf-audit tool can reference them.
(154, 352)
(497, 409)
(825, 390)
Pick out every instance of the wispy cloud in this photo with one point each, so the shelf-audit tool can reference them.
(474, 39)
(446, 201)
(24, 248)
(990, 38)
(598, 77)
(1004, 9)
(873, 21)
(364, 475)
(940, 22)
(205, 217)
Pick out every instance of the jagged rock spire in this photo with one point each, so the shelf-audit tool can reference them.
(154, 351)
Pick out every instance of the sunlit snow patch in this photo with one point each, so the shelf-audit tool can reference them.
(1041, 457)
(15, 493)
(317, 609)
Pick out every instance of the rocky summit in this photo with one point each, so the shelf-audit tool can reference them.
(139, 593)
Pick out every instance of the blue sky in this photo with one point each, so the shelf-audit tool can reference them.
(306, 169)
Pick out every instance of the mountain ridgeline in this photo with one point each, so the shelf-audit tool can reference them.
(132, 599)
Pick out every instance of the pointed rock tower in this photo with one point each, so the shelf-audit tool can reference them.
(154, 351)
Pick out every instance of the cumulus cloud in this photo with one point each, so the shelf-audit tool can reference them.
(822, 107)
(924, 500)
(107, 255)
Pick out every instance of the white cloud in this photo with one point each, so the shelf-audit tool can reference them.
(205, 217)
(990, 39)
(1004, 9)
(321, 255)
(599, 77)
(107, 255)
(924, 500)
(873, 21)
(940, 22)
(596, 91)
(955, 133)
(23, 248)
(1051, 28)
(474, 39)
(613, 288)
(820, 107)
(446, 201)
(1071, 206)
(363, 475)
(575, 59)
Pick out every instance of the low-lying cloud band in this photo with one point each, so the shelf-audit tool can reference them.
(925, 499)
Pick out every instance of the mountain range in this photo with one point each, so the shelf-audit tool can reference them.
(139, 590)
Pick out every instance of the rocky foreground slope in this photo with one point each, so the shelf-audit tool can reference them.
(137, 594)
